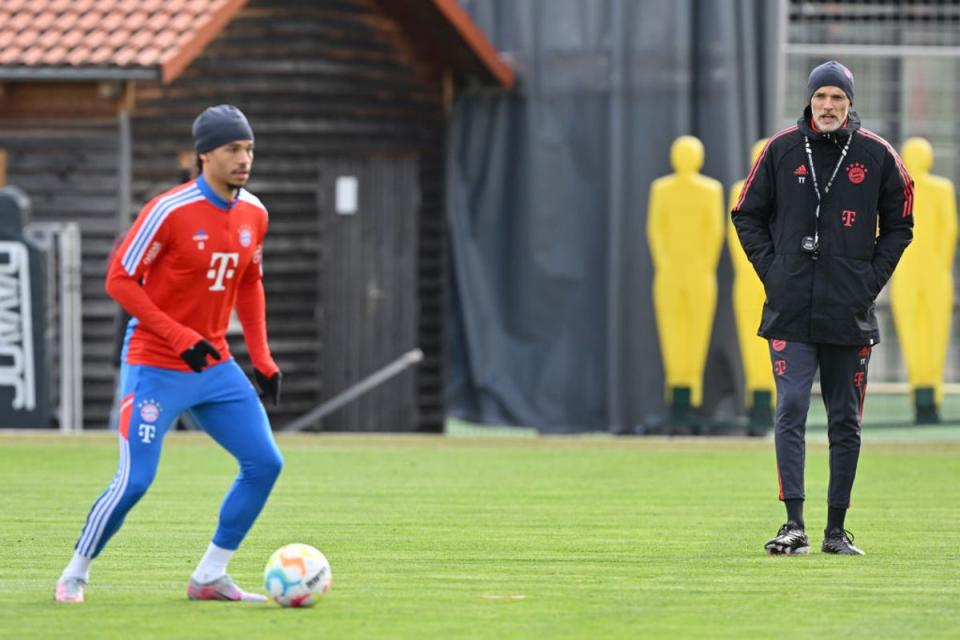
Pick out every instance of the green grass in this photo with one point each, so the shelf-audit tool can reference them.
(492, 538)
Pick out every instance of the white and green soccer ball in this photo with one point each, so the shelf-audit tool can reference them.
(297, 575)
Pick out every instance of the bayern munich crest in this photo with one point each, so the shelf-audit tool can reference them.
(246, 236)
(856, 172)
(149, 411)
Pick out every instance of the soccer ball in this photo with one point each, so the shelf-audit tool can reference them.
(297, 575)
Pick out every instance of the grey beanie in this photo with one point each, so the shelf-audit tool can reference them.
(218, 126)
(830, 74)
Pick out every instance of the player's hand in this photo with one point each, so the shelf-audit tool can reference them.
(196, 356)
(269, 386)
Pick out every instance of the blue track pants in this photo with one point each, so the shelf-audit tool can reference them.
(224, 403)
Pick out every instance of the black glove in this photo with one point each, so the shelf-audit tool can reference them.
(196, 356)
(269, 387)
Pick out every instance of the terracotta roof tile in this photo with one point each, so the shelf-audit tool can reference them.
(182, 21)
(101, 55)
(54, 55)
(65, 22)
(21, 20)
(111, 21)
(72, 38)
(32, 56)
(136, 20)
(162, 35)
(43, 21)
(50, 39)
(149, 57)
(125, 56)
(15, 5)
(95, 6)
(78, 56)
(89, 21)
(119, 38)
(95, 38)
(26, 38)
(129, 6)
(165, 40)
(140, 40)
(11, 55)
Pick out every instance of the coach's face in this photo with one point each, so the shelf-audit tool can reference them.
(229, 165)
(830, 106)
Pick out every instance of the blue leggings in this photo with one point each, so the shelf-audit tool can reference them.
(224, 403)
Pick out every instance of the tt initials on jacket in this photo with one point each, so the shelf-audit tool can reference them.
(222, 267)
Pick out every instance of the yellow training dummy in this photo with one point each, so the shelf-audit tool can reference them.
(685, 232)
(748, 297)
(921, 291)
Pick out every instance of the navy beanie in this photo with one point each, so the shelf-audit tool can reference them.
(830, 74)
(218, 126)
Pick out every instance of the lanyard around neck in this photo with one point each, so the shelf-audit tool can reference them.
(813, 170)
(816, 185)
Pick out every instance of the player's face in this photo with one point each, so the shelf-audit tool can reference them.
(229, 165)
(830, 106)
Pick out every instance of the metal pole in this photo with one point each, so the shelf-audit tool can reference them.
(615, 132)
(367, 384)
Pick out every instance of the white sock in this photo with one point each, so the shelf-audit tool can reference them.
(213, 565)
(79, 567)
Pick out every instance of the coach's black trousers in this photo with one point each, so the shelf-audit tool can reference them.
(843, 380)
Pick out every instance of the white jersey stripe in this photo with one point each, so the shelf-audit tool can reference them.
(139, 242)
(149, 229)
(105, 507)
(154, 219)
(246, 196)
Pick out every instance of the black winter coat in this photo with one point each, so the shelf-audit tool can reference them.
(866, 221)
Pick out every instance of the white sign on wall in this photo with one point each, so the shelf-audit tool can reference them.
(347, 195)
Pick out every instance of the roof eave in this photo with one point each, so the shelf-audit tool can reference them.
(76, 74)
(500, 71)
(176, 63)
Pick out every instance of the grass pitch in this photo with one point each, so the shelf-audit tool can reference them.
(492, 538)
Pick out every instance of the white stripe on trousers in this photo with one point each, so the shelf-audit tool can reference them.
(106, 505)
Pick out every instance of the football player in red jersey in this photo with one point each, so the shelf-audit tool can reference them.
(193, 255)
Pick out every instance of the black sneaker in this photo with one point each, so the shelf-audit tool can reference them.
(791, 540)
(840, 542)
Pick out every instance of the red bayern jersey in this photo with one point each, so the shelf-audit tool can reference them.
(188, 260)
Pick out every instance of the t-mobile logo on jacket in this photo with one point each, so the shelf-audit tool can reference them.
(222, 268)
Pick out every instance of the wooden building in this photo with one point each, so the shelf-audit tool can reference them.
(96, 105)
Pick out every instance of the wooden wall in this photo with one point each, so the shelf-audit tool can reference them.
(70, 168)
(329, 79)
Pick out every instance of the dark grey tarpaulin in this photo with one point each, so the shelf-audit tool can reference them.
(552, 320)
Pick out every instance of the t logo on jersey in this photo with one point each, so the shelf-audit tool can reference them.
(221, 268)
(147, 433)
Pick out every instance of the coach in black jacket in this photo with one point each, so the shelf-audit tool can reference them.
(824, 216)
